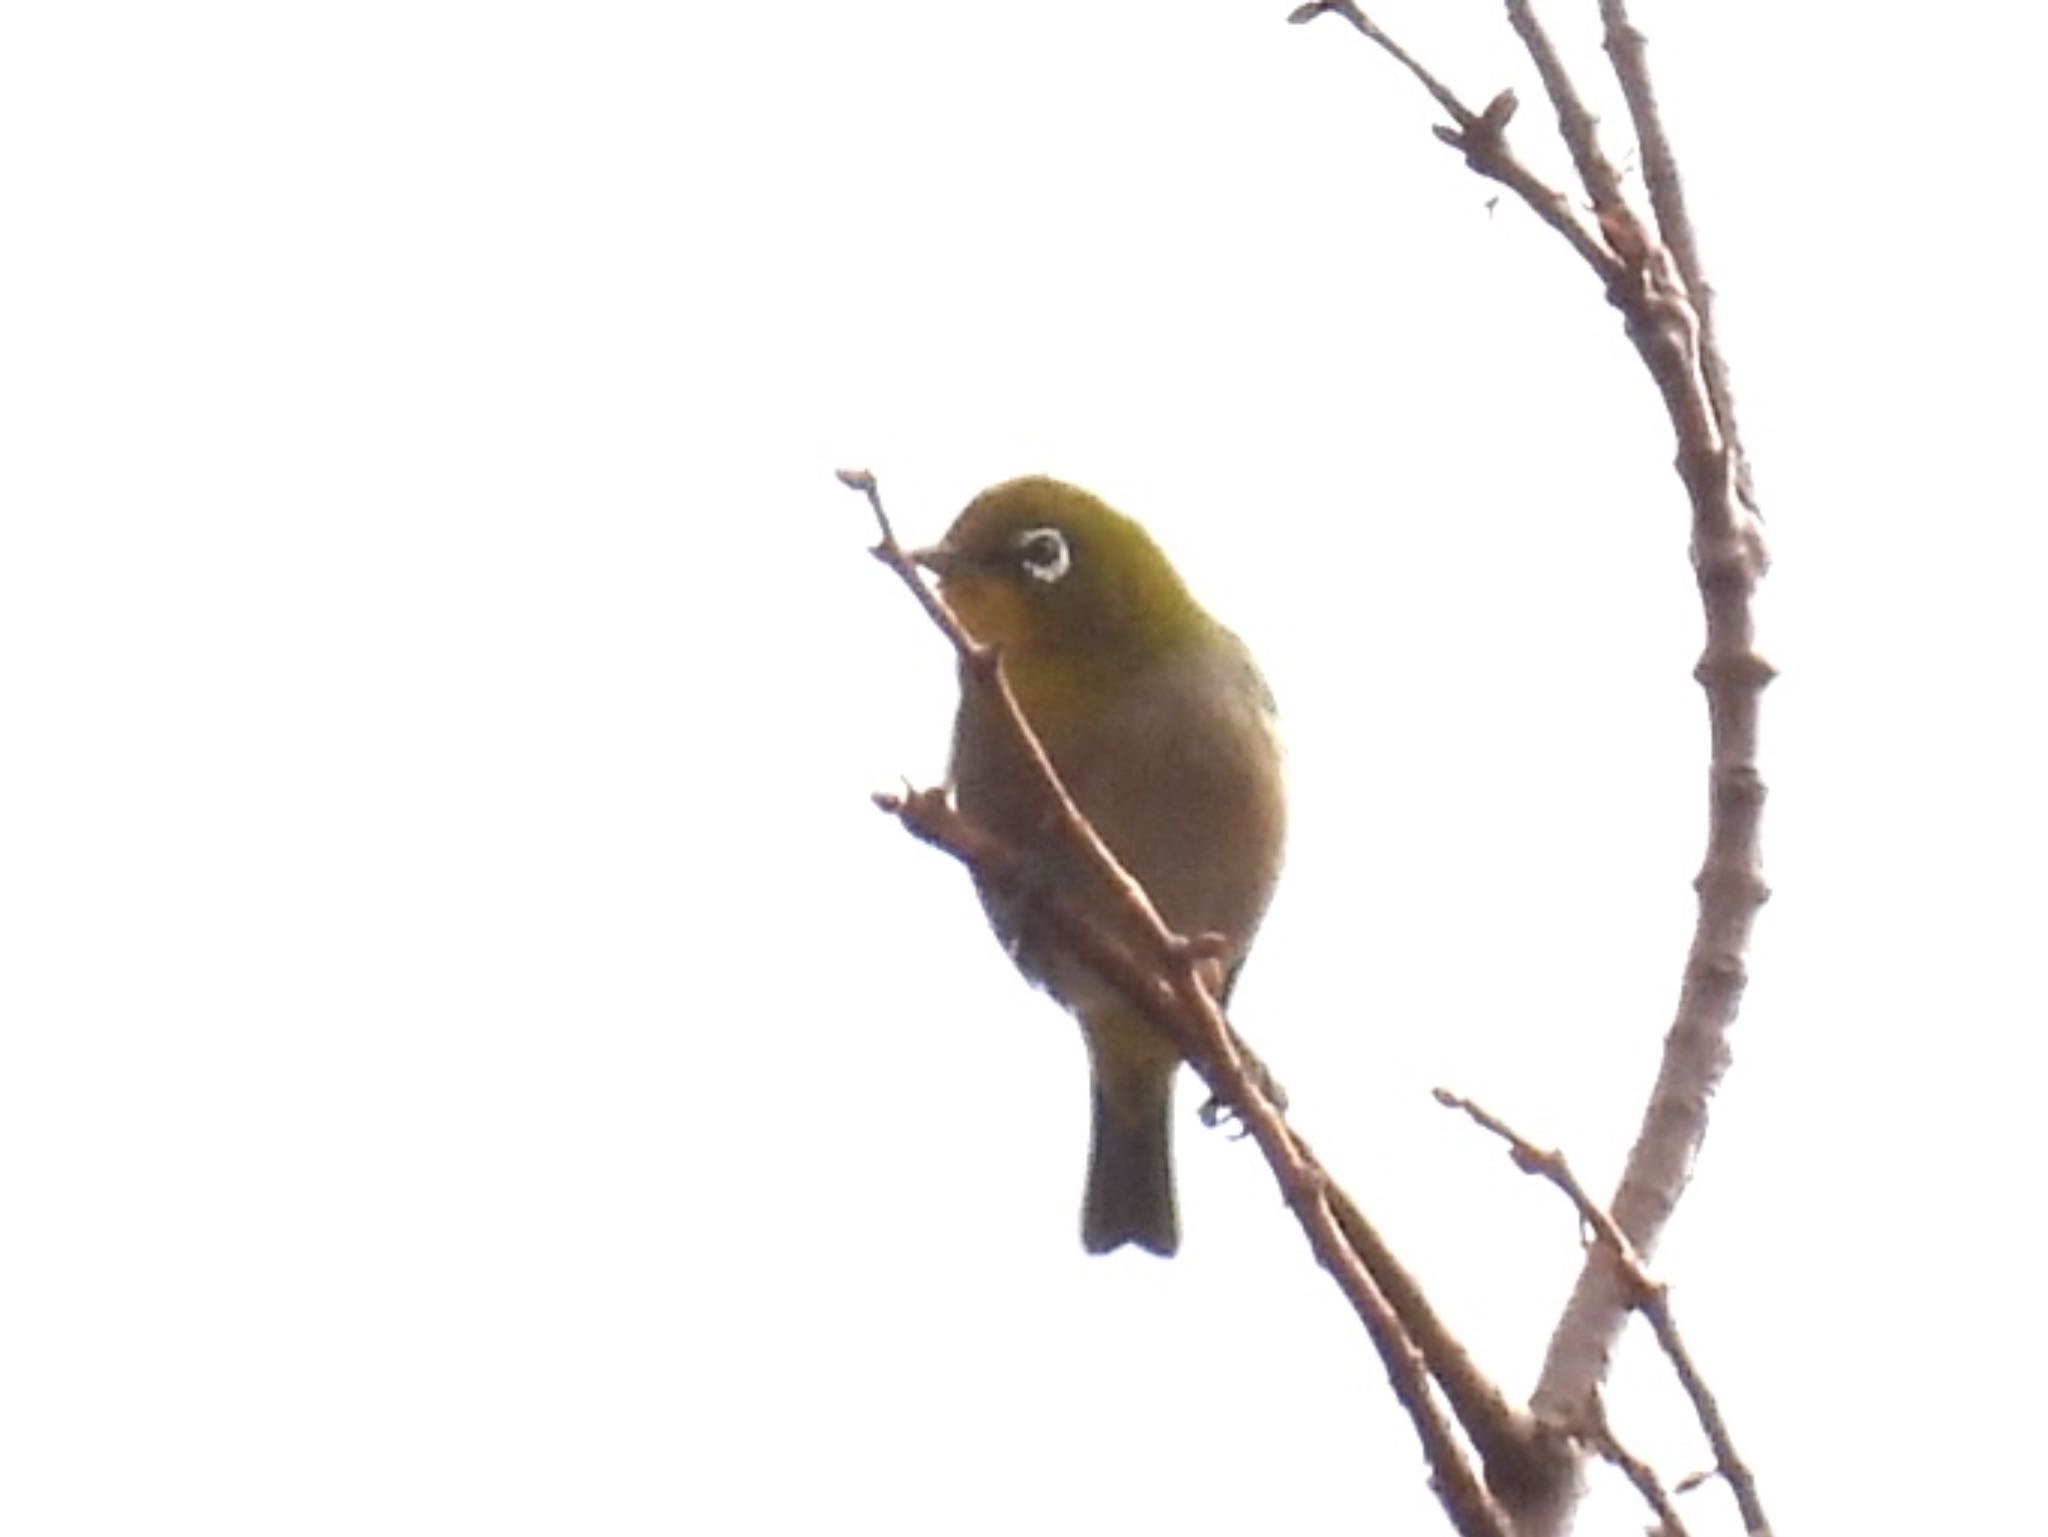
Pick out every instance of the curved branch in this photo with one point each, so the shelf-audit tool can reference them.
(1655, 280)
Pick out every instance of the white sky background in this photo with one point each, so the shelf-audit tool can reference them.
(472, 1059)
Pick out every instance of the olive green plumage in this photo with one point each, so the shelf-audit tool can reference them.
(1162, 730)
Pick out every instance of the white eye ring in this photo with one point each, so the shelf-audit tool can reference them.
(1043, 554)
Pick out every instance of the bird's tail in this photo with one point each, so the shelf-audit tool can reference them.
(1130, 1157)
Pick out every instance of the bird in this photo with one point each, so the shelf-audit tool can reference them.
(1163, 731)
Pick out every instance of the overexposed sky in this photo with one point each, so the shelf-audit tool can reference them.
(471, 1059)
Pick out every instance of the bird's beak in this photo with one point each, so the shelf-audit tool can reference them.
(937, 559)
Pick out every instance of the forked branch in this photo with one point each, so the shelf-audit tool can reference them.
(1650, 270)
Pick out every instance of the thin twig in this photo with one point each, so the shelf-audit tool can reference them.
(1741, 1482)
(930, 816)
(1515, 1448)
(1576, 125)
(1550, 1164)
(1599, 1435)
(1646, 1295)
(984, 663)
(1481, 137)
(1627, 49)
(1445, 96)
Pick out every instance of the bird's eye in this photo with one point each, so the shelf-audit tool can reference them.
(1043, 554)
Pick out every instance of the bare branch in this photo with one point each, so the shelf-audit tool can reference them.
(1599, 1435)
(1481, 137)
(1575, 125)
(1446, 98)
(1549, 1164)
(1518, 1452)
(1627, 49)
(1741, 1482)
(1659, 303)
(1728, 560)
(1646, 1295)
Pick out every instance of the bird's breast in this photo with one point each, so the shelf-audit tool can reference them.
(1175, 764)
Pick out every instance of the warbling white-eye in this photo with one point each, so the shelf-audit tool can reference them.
(1162, 730)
